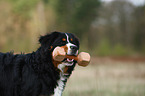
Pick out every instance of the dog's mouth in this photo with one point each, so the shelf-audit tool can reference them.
(66, 65)
(68, 62)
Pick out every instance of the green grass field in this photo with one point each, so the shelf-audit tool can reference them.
(107, 78)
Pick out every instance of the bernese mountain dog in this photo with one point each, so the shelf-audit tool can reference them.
(36, 73)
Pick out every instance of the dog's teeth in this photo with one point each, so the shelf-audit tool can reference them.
(68, 64)
(70, 60)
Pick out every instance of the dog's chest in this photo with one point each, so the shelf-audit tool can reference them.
(63, 78)
(61, 85)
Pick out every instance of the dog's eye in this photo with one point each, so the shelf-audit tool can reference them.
(63, 39)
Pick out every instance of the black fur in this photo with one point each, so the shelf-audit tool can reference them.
(32, 74)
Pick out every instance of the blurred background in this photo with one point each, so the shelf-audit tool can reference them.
(112, 31)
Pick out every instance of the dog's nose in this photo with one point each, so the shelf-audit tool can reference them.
(74, 48)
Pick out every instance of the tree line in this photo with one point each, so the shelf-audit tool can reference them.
(115, 28)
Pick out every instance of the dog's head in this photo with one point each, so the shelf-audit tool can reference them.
(66, 40)
(58, 39)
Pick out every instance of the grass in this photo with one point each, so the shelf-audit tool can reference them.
(107, 78)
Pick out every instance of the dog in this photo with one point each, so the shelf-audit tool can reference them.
(36, 73)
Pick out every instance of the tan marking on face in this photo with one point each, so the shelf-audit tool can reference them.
(63, 39)
(56, 63)
(65, 48)
(71, 39)
(51, 47)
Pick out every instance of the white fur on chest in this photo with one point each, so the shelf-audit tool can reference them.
(61, 85)
(61, 82)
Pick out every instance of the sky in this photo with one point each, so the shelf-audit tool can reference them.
(135, 2)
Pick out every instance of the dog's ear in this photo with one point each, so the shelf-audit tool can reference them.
(49, 38)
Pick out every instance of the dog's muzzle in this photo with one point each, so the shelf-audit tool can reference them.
(72, 49)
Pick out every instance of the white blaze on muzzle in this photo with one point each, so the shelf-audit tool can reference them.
(72, 49)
